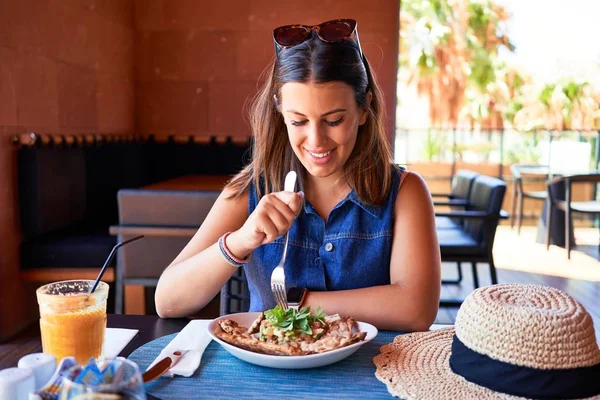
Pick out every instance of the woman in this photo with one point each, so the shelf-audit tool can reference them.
(362, 232)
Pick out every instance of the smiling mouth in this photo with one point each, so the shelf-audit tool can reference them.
(320, 155)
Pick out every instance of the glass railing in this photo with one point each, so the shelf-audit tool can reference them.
(575, 149)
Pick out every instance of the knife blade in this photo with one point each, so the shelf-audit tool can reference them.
(161, 367)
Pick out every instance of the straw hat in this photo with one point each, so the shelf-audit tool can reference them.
(509, 341)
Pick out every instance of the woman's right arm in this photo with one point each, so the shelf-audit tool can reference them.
(199, 271)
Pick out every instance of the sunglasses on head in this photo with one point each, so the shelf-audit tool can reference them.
(337, 30)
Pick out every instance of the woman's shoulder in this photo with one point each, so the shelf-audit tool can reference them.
(412, 187)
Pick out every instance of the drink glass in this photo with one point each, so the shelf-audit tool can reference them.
(73, 321)
(126, 385)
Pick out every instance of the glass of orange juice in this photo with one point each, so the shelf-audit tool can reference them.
(72, 320)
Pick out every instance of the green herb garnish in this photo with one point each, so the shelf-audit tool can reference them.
(295, 321)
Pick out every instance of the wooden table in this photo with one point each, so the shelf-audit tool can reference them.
(150, 327)
(191, 182)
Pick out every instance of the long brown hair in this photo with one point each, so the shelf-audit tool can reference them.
(370, 166)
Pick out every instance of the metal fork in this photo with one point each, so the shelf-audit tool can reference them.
(278, 274)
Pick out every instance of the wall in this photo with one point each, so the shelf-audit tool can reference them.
(196, 66)
(66, 66)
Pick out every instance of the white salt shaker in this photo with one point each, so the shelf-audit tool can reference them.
(43, 366)
(16, 383)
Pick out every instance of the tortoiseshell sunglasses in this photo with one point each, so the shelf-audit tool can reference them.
(337, 30)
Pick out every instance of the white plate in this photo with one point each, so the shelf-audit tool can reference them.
(286, 362)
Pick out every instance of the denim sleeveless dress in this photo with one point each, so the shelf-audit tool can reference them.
(351, 250)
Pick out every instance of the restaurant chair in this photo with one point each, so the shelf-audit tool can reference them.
(459, 194)
(568, 206)
(168, 219)
(526, 173)
(456, 199)
(473, 240)
(235, 296)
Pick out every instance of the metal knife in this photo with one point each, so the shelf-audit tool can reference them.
(161, 367)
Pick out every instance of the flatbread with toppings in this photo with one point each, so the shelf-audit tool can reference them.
(291, 332)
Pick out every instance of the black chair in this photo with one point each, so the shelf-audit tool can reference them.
(458, 198)
(235, 296)
(568, 206)
(473, 241)
(526, 173)
(461, 188)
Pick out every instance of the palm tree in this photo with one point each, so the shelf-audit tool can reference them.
(497, 102)
(492, 83)
(434, 52)
(449, 46)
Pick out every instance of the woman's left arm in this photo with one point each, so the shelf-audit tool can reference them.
(411, 301)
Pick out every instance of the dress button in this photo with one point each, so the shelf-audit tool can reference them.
(329, 247)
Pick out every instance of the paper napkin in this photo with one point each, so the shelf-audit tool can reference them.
(193, 338)
(115, 340)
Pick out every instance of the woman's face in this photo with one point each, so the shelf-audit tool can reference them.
(322, 122)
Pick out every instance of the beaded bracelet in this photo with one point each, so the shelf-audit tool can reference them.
(230, 258)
